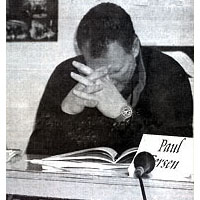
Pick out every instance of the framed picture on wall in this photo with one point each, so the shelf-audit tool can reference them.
(31, 20)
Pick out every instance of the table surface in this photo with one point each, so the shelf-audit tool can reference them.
(27, 179)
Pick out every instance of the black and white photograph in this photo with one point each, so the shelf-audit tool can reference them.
(99, 99)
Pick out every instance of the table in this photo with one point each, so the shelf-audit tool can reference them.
(23, 179)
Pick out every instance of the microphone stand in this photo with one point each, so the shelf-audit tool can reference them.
(144, 163)
(142, 188)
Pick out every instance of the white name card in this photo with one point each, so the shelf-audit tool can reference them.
(173, 157)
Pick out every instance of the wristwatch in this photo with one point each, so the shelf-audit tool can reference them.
(125, 114)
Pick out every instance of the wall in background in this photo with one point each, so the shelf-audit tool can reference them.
(29, 65)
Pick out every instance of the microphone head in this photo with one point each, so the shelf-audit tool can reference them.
(144, 163)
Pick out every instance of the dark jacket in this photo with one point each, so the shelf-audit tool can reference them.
(165, 107)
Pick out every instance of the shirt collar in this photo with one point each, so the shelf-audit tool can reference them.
(133, 90)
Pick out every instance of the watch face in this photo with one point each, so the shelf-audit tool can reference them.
(127, 111)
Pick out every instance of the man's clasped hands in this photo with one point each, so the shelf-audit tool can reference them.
(94, 89)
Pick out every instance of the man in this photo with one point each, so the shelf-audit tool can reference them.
(112, 93)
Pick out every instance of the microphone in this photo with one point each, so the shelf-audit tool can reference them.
(144, 163)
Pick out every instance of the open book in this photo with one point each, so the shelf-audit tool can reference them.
(99, 157)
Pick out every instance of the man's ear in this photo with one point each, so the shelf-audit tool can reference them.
(136, 47)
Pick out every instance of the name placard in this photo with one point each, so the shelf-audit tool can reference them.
(173, 156)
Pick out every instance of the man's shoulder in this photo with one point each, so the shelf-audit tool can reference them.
(154, 56)
(156, 62)
(66, 65)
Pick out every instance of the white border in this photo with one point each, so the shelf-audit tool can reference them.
(196, 99)
(3, 100)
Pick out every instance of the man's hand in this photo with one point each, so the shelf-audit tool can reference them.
(110, 101)
(72, 104)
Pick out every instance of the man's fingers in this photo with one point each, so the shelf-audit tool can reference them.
(93, 89)
(84, 95)
(89, 89)
(81, 79)
(99, 73)
(90, 73)
(91, 103)
(86, 103)
(79, 87)
(82, 68)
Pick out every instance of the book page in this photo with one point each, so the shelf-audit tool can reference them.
(126, 153)
(101, 153)
(65, 165)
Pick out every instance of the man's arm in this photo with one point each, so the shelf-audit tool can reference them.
(167, 99)
(54, 122)
(175, 110)
(49, 134)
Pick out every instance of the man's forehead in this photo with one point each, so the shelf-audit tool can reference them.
(113, 52)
